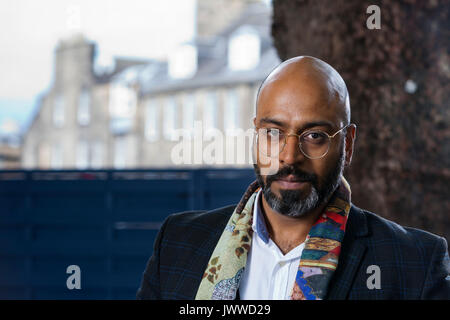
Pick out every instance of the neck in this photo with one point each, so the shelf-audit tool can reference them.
(289, 232)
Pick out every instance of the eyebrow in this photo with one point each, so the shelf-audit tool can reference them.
(308, 125)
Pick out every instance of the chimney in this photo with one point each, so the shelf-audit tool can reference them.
(214, 16)
(74, 62)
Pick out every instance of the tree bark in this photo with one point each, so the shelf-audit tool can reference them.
(398, 80)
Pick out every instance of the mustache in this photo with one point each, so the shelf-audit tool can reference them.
(298, 174)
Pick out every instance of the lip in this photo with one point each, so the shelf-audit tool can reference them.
(290, 182)
(290, 178)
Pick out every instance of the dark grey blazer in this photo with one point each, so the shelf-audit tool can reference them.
(414, 264)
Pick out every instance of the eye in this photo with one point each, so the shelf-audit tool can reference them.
(271, 132)
(315, 137)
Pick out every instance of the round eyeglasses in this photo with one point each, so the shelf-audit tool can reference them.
(314, 144)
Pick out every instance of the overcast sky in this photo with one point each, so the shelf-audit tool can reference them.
(30, 30)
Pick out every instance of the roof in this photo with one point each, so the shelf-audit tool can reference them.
(212, 69)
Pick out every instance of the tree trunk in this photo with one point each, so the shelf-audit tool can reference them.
(398, 80)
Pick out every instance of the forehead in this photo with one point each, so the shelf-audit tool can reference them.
(297, 103)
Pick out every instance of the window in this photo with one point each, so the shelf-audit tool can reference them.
(183, 62)
(44, 155)
(209, 111)
(97, 155)
(58, 111)
(231, 116)
(122, 102)
(170, 118)
(89, 155)
(189, 112)
(84, 115)
(82, 156)
(244, 49)
(151, 121)
(56, 156)
(122, 107)
(120, 152)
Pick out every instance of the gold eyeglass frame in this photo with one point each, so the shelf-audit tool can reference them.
(299, 136)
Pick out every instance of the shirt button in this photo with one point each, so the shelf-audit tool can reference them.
(281, 263)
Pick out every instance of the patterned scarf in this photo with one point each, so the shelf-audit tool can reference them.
(318, 261)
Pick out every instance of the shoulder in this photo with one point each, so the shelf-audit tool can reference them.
(384, 233)
(201, 222)
(380, 226)
(412, 263)
(201, 216)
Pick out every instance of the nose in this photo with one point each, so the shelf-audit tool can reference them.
(291, 152)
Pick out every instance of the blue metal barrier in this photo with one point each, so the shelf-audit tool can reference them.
(103, 221)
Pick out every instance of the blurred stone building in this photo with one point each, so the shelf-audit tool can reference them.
(129, 117)
(71, 128)
(9, 156)
(66, 112)
(10, 145)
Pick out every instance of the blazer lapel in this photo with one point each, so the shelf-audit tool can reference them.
(353, 248)
(200, 260)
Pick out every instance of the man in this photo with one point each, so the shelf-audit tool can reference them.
(295, 233)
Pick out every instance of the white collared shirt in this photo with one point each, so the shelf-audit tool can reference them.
(268, 275)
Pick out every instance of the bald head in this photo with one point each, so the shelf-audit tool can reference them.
(314, 79)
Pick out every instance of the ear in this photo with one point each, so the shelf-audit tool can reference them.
(350, 143)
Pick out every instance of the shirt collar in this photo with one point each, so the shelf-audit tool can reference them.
(259, 223)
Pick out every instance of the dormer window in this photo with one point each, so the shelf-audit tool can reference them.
(244, 49)
(183, 62)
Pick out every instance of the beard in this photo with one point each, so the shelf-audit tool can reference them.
(290, 202)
